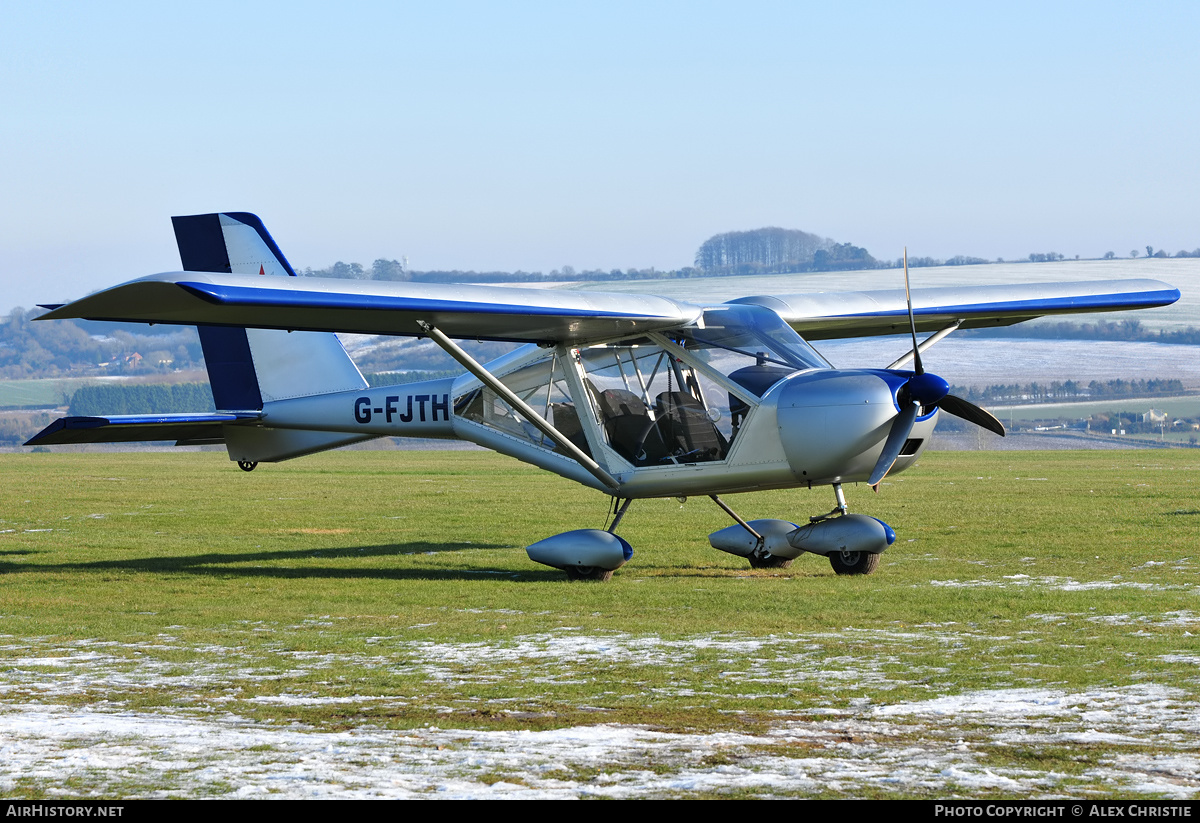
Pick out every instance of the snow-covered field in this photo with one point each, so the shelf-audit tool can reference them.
(59, 734)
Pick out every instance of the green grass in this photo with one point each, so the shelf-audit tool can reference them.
(397, 584)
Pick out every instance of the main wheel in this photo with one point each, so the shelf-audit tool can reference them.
(853, 562)
(247, 465)
(769, 561)
(593, 574)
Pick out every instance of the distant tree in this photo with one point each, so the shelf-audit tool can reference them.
(340, 270)
(394, 270)
(841, 257)
(1149, 251)
(772, 249)
(1109, 255)
(919, 262)
(1133, 253)
(348, 271)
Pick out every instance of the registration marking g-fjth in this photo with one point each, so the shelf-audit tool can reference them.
(363, 410)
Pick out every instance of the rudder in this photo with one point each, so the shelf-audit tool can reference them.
(247, 367)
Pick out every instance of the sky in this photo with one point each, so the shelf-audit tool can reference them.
(503, 136)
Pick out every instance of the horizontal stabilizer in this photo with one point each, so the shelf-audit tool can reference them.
(127, 428)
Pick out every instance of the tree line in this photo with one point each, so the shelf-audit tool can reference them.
(394, 271)
(1118, 330)
(769, 250)
(1057, 391)
(141, 398)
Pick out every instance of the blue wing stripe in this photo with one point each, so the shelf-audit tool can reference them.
(243, 296)
(1164, 297)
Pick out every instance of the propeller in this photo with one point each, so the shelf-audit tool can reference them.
(923, 390)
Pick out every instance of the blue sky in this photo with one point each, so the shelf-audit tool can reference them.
(533, 135)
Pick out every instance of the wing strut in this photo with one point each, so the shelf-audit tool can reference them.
(926, 343)
(488, 379)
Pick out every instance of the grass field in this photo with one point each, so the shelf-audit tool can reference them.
(367, 624)
(48, 393)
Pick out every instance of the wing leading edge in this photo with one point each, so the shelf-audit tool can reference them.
(372, 307)
(825, 316)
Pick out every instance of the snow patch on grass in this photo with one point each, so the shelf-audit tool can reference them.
(1064, 584)
(212, 748)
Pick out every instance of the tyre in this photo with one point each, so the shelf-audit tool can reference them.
(588, 574)
(854, 562)
(769, 561)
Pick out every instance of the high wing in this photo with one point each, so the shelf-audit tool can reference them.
(373, 307)
(825, 316)
(551, 316)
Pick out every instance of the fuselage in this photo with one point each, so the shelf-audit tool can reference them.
(804, 427)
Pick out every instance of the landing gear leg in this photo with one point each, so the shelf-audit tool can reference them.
(837, 511)
(760, 558)
(612, 528)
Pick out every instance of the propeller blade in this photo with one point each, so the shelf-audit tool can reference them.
(896, 438)
(971, 413)
(912, 320)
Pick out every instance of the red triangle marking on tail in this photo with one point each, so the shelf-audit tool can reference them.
(260, 269)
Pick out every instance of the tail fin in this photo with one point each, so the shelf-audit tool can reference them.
(250, 367)
(247, 367)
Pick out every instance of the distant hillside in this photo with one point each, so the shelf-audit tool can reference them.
(75, 347)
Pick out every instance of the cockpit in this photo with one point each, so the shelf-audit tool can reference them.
(658, 400)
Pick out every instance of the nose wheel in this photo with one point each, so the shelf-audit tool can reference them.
(853, 562)
(247, 465)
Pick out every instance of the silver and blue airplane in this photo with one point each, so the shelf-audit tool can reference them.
(635, 396)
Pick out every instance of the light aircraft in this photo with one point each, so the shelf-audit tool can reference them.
(635, 396)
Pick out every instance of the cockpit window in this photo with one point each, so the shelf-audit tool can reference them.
(753, 331)
(654, 409)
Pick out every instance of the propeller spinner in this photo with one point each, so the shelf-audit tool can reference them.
(923, 390)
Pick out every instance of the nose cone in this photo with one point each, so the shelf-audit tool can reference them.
(927, 389)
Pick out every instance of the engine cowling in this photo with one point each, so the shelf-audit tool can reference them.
(833, 424)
